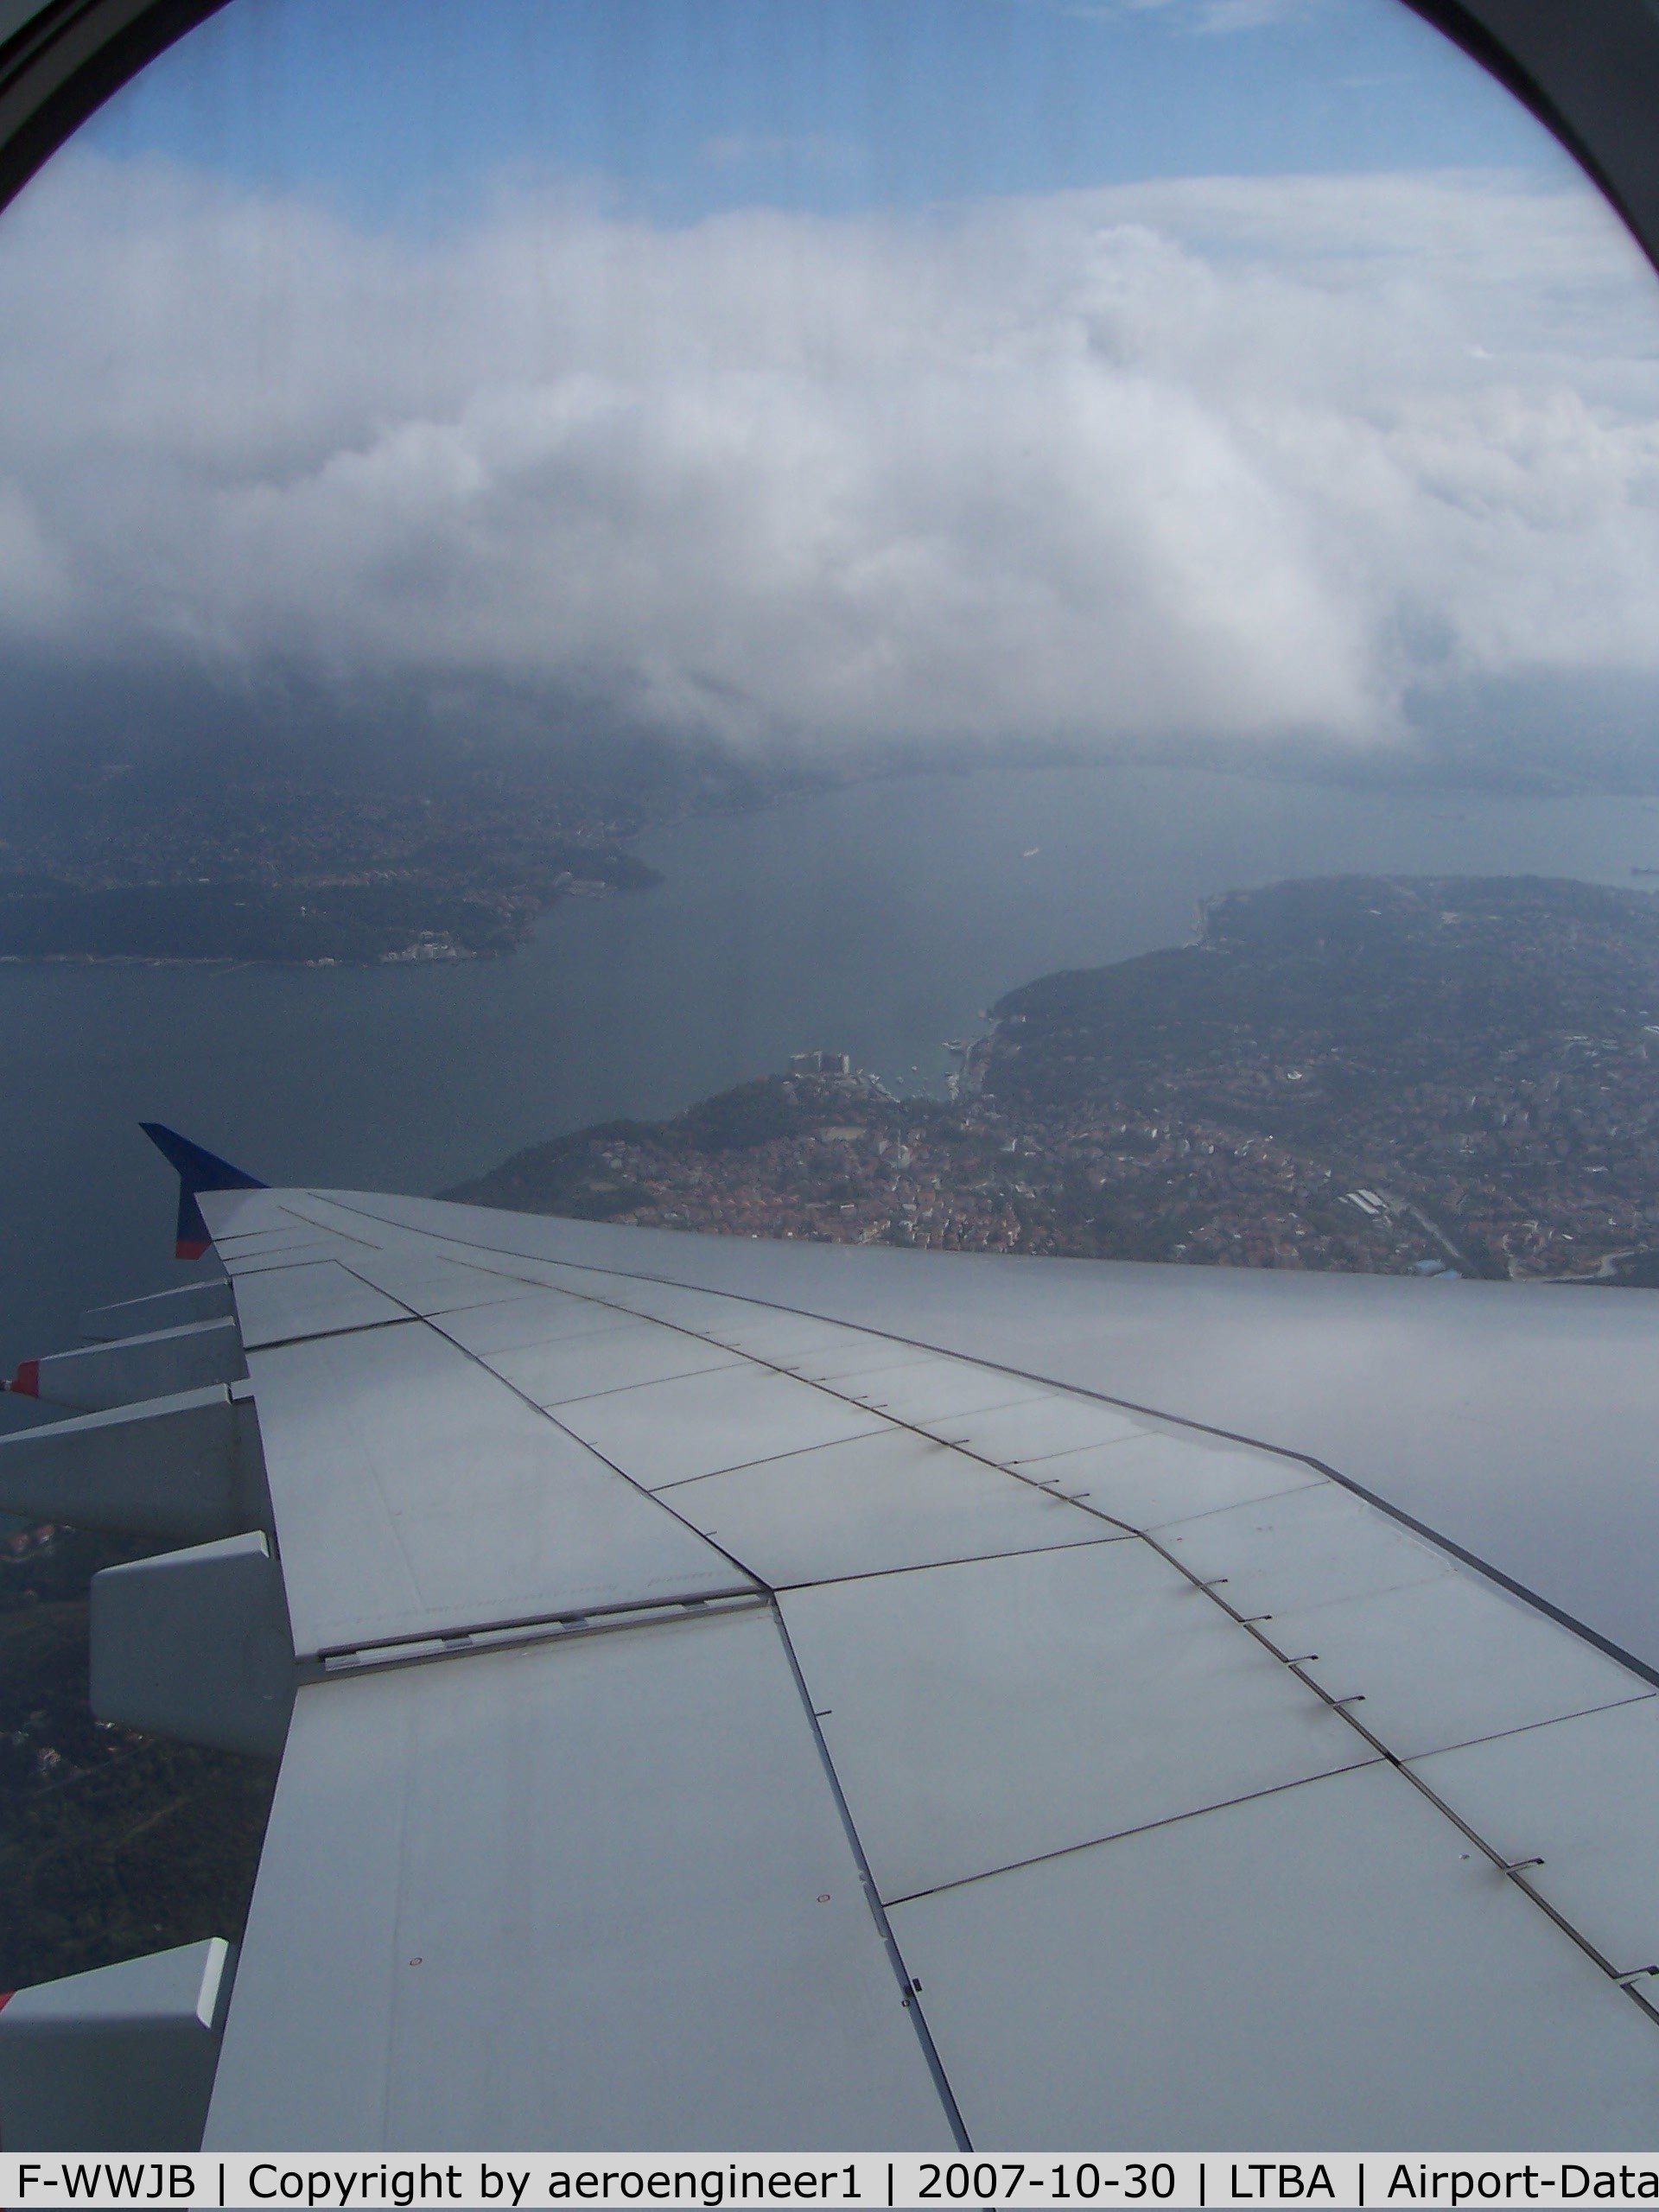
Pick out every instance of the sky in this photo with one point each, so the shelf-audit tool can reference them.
(399, 113)
(1235, 379)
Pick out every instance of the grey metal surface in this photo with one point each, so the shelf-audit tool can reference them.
(309, 1254)
(1157, 1474)
(1447, 1662)
(195, 1644)
(1516, 1419)
(983, 1714)
(165, 1309)
(930, 1390)
(185, 1468)
(548, 1317)
(337, 1216)
(858, 1354)
(617, 1358)
(872, 1504)
(668, 1431)
(427, 1284)
(101, 1376)
(415, 1492)
(1583, 1795)
(1034, 1428)
(238, 1252)
(245, 1224)
(1334, 1960)
(684, 1309)
(118, 2059)
(792, 1342)
(279, 1303)
(1315, 1546)
(592, 1895)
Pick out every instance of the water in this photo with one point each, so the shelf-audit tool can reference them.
(877, 920)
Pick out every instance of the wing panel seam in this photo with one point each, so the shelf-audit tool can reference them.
(908, 1984)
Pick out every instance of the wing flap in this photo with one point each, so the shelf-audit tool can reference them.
(595, 1895)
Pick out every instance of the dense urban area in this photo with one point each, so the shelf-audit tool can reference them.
(1441, 1075)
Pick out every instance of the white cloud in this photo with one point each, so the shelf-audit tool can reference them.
(1224, 462)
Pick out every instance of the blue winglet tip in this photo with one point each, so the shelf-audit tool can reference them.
(198, 1170)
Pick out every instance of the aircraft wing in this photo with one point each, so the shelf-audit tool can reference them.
(708, 1723)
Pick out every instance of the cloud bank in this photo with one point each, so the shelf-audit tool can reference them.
(1225, 466)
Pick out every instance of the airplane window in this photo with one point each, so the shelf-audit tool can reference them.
(984, 625)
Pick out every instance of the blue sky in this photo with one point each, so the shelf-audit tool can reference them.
(400, 112)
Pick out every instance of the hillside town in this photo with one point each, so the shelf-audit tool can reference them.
(1439, 1076)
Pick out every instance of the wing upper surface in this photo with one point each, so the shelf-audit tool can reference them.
(1515, 1420)
(1200, 1797)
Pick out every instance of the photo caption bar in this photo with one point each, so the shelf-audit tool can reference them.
(706, 2180)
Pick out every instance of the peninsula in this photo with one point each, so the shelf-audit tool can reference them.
(448, 854)
(1406, 1074)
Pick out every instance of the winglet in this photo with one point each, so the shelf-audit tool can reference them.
(198, 1171)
